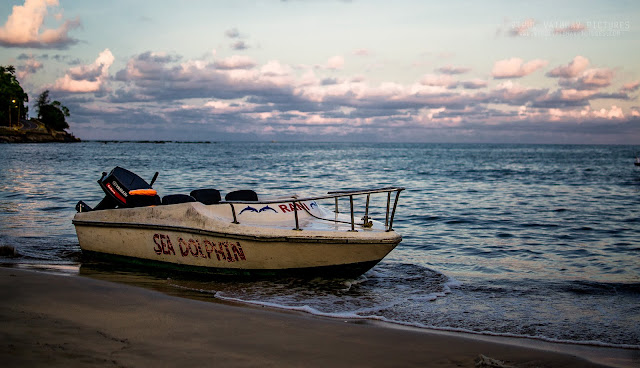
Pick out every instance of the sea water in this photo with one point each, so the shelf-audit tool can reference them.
(539, 241)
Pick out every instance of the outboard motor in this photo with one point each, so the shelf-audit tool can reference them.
(123, 189)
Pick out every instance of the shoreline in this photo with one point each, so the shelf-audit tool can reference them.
(72, 320)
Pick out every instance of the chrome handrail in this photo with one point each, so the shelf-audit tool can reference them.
(390, 212)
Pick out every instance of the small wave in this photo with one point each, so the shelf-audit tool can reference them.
(458, 221)
(356, 316)
(536, 224)
(54, 208)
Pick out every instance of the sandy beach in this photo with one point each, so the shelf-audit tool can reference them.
(73, 321)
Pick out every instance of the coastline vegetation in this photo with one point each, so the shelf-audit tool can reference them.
(15, 127)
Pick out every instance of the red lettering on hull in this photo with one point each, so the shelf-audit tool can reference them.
(289, 207)
(192, 247)
(163, 244)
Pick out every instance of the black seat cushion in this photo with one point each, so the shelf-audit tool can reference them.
(143, 200)
(206, 196)
(177, 198)
(241, 195)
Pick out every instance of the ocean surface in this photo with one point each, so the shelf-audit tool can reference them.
(539, 241)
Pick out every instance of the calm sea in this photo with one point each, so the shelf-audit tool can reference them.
(540, 241)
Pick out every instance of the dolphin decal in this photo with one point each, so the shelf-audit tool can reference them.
(266, 208)
(250, 209)
(313, 204)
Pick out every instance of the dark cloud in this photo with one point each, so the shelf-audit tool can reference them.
(453, 70)
(239, 45)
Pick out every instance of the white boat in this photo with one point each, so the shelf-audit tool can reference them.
(242, 235)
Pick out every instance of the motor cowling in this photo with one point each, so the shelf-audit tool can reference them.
(124, 189)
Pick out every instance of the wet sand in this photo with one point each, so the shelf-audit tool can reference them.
(50, 320)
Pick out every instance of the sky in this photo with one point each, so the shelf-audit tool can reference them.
(331, 71)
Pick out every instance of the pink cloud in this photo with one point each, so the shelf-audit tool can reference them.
(573, 69)
(587, 113)
(276, 97)
(595, 78)
(235, 62)
(590, 79)
(30, 66)
(336, 62)
(516, 67)
(631, 86)
(512, 93)
(439, 81)
(87, 78)
(22, 28)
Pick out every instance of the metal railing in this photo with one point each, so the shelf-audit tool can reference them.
(390, 211)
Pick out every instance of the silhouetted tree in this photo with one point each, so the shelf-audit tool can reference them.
(12, 97)
(52, 114)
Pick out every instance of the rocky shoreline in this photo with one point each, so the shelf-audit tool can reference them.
(38, 134)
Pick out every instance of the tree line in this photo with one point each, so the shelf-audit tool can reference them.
(13, 99)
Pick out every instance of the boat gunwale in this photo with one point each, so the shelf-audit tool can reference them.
(261, 238)
(336, 194)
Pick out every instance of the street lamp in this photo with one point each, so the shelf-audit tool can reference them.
(12, 102)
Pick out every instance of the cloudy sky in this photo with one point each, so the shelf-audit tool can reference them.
(329, 70)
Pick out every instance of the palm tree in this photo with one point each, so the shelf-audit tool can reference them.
(12, 97)
(52, 114)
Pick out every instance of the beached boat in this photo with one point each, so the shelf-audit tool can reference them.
(243, 234)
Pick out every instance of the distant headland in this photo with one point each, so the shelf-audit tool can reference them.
(33, 131)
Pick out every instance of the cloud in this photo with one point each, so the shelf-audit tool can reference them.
(238, 98)
(239, 45)
(439, 81)
(523, 28)
(29, 67)
(235, 62)
(587, 113)
(22, 28)
(449, 69)
(336, 62)
(87, 78)
(564, 98)
(474, 84)
(573, 69)
(576, 27)
(516, 68)
(514, 94)
(589, 79)
(631, 86)
(232, 33)
(333, 63)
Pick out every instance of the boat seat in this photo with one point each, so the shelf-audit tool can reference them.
(135, 200)
(177, 198)
(206, 196)
(241, 195)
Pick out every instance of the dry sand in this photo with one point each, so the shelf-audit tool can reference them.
(49, 320)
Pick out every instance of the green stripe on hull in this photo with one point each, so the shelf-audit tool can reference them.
(352, 270)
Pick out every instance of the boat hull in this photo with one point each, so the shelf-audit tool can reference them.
(219, 247)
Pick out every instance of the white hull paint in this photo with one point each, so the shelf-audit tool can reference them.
(202, 237)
